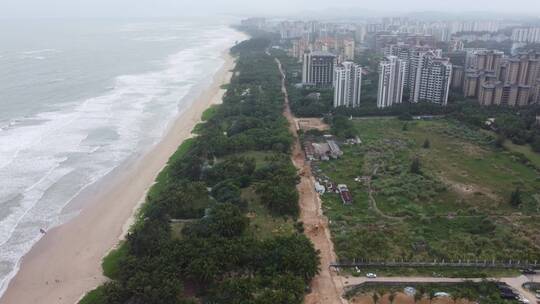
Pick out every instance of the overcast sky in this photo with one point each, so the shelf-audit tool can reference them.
(148, 8)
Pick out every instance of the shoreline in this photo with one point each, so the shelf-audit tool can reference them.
(66, 263)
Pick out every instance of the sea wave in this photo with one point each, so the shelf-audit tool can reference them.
(47, 159)
(33, 52)
(41, 54)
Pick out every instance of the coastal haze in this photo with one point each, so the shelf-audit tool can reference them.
(95, 96)
(308, 8)
(79, 99)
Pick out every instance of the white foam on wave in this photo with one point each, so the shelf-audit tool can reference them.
(38, 54)
(33, 57)
(33, 52)
(44, 165)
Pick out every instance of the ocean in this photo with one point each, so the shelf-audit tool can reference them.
(80, 98)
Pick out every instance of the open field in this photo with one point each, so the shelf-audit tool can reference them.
(457, 208)
(262, 224)
(306, 124)
(525, 150)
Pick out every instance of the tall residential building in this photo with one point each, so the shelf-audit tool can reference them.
(433, 77)
(511, 81)
(411, 55)
(458, 74)
(347, 85)
(360, 33)
(484, 60)
(299, 47)
(318, 69)
(348, 49)
(391, 81)
(526, 34)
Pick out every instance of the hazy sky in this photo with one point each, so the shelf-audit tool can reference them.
(146, 8)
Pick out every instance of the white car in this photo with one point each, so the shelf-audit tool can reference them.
(371, 275)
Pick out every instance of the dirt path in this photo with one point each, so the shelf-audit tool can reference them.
(373, 202)
(327, 286)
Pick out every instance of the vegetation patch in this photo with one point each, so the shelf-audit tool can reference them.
(111, 262)
(456, 205)
(209, 113)
(96, 296)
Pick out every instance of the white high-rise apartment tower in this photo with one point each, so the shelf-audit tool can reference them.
(391, 81)
(433, 77)
(347, 85)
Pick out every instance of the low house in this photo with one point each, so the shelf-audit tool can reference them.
(319, 188)
(309, 150)
(314, 96)
(322, 151)
(331, 187)
(335, 151)
(424, 117)
(345, 194)
(353, 141)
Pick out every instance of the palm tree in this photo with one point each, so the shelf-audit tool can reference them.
(415, 166)
(418, 296)
(375, 297)
(392, 297)
(431, 296)
(426, 144)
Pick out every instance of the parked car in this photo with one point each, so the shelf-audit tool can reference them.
(528, 271)
(371, 275)
(523, 300)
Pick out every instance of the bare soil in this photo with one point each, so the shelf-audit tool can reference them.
(306, 124)
(327, 286)
(402, 298)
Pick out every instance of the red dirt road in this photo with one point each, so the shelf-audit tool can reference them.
(327, 286)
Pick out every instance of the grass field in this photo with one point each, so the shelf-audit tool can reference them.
(262, 224)
(458, 207)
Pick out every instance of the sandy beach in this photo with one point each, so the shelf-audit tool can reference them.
(66, 262)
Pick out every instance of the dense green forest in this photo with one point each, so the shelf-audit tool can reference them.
(193, 241)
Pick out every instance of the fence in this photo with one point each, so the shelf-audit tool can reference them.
(510, 264)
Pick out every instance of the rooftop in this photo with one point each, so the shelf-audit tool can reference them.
(322, 53)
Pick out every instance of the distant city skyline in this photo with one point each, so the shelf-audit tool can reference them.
(156, 8)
